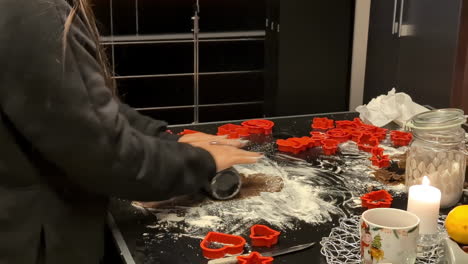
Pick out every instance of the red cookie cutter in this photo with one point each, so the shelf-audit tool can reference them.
(291, 145)
(346, 124)
(317, 138)
(366, 142)
(259, 126)
(380, 133)
(358, 121)
(338, 134)
(376, 151)
(233, 131)
(322, 123)
(400, 138)
(381, 161)
(254, 258)
(263, 236)
(329, 146)
(377, 199)
(368, 128)
(188, 131)
(355, 135)
(232, 245)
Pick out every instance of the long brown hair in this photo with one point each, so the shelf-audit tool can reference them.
(83, 8)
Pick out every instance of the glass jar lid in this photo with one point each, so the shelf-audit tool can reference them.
(437, 119)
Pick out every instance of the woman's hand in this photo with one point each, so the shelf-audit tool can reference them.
(226, 156)
(220, 140)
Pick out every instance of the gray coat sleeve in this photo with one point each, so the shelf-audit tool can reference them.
(64, 109)
(145, 124)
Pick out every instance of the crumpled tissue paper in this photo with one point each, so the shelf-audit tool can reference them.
(396, 107)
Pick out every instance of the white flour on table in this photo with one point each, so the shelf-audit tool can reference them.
(306, 197)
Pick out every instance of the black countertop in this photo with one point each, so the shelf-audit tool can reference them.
(142, 244)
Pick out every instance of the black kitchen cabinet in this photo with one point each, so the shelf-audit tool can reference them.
(308, 56)
(413, 47)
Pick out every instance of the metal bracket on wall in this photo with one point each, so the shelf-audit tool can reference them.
(398, 28)
(196, 68)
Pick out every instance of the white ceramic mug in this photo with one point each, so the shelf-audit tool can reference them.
(388, 236)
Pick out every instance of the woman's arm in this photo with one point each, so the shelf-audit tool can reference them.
(68, 114)
(146, 125)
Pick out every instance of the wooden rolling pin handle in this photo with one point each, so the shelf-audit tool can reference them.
(229, 260)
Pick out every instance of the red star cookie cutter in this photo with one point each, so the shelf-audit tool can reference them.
(254, 258)
(377, 199)
(263, 236)
(233, 131)
(232, 245)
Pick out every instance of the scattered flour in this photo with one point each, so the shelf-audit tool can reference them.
(310, 194)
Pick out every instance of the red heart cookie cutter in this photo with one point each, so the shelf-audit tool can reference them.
(263, 236)
(232, 245)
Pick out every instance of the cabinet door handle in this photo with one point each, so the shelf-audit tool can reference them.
(394, 22)
(402, 7)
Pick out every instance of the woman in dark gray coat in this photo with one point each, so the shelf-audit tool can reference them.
(66, 144)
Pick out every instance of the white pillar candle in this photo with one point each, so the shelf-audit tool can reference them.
(424, 201)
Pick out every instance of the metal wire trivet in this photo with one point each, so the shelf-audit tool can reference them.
(343, 244)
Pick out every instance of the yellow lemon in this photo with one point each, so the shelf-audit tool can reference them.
(457, 224)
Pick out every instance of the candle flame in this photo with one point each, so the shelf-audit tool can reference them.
(426, 181)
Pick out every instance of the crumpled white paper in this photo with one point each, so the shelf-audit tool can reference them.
(397, 107)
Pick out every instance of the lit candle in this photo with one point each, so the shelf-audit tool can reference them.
(424, 201)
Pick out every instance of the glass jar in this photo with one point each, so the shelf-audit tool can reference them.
(438, 152)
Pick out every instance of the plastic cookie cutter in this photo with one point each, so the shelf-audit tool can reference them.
(322, 123)
(381, 161)
(377, 199)
(358, 121)
(233, 131)
(305, 142)
(188, 131)
(217, 245)
(400, 138)
(338, 134)
(355, 135)
(376, 151)
(329, 146)
(259, 126)
(317, 138)
(346, 124)
(254, 258)
(379, 133)
(366, 142)
(289, 145)
(263, 236)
